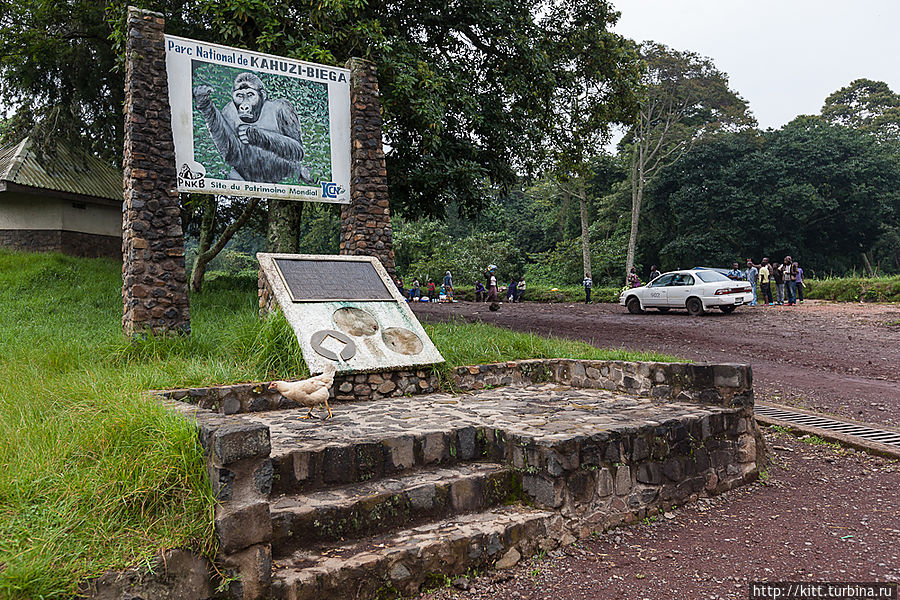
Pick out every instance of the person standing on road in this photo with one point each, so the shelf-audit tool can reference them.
(654, 272)
(735, 273)
(587, 283)
(778, 276)
(751, 275)
(790, 280)
(520, 289)
(799, 271)
(492, 283)
(448, 284)
(765, 275)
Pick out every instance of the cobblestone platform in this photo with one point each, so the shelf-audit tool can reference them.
(313, 508)
(543, 413)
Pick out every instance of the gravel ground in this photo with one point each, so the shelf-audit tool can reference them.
(820, 513)
(835, 358)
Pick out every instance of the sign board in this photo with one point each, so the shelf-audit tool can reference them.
(251, 124)
(317, 280)
(346, 312)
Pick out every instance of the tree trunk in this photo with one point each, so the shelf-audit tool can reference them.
(637, 196)
(206, 253)
(207, 230)
(284, 226)
(585, 234)
(867, 264)
(564, 212)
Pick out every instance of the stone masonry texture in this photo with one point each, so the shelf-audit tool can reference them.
(73, 243)
(366, 221)
(154, 281)
(521, 455)
(724, 385)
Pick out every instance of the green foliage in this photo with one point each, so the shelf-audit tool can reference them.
(467, 90)
(94, 476)
(867, 105)
(57, 69)
(424, 250)
(816, 191)
(309, 99)
(463, 343)
(854, 289)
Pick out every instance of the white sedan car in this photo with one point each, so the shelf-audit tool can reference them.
(697, 290)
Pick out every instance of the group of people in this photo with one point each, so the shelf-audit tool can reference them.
(433, 293)
(786, 275)
(444, 293)
(514, 291)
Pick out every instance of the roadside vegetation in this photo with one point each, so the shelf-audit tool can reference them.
(854, 289)
(92, 476)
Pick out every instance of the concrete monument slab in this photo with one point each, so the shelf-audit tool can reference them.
(346, 311)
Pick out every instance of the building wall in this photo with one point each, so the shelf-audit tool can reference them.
(43, 224)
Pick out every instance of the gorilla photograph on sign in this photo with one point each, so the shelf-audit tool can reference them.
(249, 124)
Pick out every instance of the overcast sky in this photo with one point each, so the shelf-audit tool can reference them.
(783, 56)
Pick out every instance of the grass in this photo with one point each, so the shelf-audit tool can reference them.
(92, 476)
(464, 343)
(854, 289)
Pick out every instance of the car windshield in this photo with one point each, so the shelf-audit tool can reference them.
(710, 276)
(662, 280)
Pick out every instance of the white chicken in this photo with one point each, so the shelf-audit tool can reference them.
(310, 392)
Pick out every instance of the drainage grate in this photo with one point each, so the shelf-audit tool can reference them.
(881, 436)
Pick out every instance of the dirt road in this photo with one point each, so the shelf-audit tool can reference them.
(836, 358)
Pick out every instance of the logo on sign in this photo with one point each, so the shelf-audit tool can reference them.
(188, 178)
(331, 190)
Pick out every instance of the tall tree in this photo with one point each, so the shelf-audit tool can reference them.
(686, 98)
(867, 105)
(602, 83)
(819, 192)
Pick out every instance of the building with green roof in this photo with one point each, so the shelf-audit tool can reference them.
(65, 201)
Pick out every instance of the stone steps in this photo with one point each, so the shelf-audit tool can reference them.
(305, 467)
(363, 509)
(400, 562)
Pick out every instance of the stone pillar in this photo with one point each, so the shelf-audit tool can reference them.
(154, 281)
(366, 221)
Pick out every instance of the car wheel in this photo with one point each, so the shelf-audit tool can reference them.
(634, 306)
(694, 306)
(663, 309)
(727, 309)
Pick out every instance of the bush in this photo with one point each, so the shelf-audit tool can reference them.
(854, 289)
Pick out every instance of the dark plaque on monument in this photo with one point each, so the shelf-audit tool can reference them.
(332, 280)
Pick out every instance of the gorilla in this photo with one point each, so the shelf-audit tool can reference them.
(258, 136)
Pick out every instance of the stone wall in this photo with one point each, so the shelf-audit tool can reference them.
(715, 384)
(174, 575)
(366, 221)
(720, 385)
(73, 243)
(255, 397)
(154, 290)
